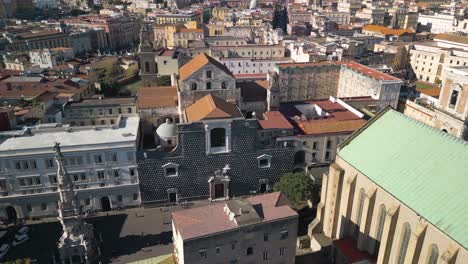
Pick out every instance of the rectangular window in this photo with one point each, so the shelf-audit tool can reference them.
(83, 176)
(18, 165)
(218, 250)
(119, 198)
(135, 196)
(97, 158)
(29, 207)
(129, 110)
(116, 173)
(37, 180)
(132, 172)
(265, 255)
(284, 234)
(327, 155)
(110, 111)
(329, 144)
(34, 165)
(208, 74)
(264, 163)
(208, 85)
(100, 175)
(454, 98)
(53, 179)
(3, 185)
(314, 145)
(202, 253)
(265, 237)
(171, 172)
(114, 157)
(87, 201)
(282, 251)
(29, 181)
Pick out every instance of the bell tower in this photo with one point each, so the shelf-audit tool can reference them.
(147, 57)
(273, 92)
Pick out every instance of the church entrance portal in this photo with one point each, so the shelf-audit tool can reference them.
(11, 214)
(219, 190)
(105, 204)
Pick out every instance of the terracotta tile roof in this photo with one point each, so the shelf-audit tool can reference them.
(211, 219)
(388, 31)
(369, 71)
(189, 30)
(452, 38)
(274, 119)
(159, 96)
(433, 92)
(39, 34)
(33, 89)
(339, 120)
(197, 63)
(211, 107)
(250, 76)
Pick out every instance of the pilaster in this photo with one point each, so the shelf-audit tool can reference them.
(332, 203)
(388, 234)
(415, 243)
(364, 226)
(449, 256)
(347, 205)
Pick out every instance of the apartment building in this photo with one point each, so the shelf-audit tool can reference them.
(429, 59)
(321, 125)
(49, 58)
(251, 66)
(43, 39)
(257, 229)
(100, 161)
(253, 51)
(173, 18)
(98, 111)
(299, 81)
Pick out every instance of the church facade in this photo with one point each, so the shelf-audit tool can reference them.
(218, 155)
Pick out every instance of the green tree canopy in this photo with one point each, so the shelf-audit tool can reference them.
(298, 187)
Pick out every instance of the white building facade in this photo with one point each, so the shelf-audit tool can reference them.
(101, 163)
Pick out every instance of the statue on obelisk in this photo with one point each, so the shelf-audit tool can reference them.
(77, 243)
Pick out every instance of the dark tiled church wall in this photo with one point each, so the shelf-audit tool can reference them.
(196, 167)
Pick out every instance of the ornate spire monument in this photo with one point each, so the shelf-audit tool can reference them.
(77, 243)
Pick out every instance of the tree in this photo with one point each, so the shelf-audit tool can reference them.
(298, 187)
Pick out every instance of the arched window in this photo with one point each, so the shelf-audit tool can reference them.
(223, 85)
(359, 212)
(433, 254)
(218, 137)
(193, 86)
(147, 67)
(380, 226)
(405, 236)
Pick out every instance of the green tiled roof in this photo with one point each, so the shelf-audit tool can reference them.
(425, 168)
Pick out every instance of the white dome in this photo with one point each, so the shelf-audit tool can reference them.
(167, 130)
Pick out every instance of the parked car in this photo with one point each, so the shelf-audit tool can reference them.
(20, 239)
(4, 250)
(3, 233)
(23, 230)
